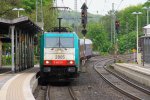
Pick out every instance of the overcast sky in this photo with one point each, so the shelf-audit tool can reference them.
(100, 6)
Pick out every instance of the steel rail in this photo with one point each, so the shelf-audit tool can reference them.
(48, 93)
(128, 82)
(72, 93)
(112, 85)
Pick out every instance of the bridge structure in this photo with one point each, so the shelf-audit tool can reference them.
(20, 33)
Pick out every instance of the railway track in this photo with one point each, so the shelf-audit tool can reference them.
(124, 86)
(61, 93)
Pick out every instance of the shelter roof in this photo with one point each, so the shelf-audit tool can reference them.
(22, 22)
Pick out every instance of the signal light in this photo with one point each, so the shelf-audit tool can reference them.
(84, 18)
(117, 25)
(84, 15)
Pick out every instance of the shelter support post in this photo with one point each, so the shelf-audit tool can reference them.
(12, 47)
(32, 42)
(19, 50)
(16, 51)
(0, 54)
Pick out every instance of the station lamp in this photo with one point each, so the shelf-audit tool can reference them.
(18, 9)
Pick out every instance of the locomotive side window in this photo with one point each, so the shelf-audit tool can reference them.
(59, 42)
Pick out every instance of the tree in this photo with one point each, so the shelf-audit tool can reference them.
(30, 5)
(127, 42)
(6, 7)
(128, 20)
(99, 37)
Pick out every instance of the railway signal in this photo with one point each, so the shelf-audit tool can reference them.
(117, 25)
(84, 18)
(84, 15)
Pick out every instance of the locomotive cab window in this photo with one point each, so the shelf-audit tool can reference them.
(59, 42)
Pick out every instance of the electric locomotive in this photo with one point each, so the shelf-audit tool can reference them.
(59, 55)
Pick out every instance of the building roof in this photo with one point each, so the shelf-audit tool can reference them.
(147, 27)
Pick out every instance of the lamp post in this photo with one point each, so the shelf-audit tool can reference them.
(147, 9)
(18, 9)
(137, 14)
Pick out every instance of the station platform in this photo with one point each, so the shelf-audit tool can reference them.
(18, 86)
(136, 72)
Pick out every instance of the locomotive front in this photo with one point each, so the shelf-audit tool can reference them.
(59, 56)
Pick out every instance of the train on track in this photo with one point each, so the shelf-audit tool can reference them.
(61, 54)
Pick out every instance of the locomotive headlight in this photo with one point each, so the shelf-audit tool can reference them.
(71, 69)
(71, 62)
(47, 62)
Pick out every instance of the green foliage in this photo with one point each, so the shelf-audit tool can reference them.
(30, 5)
(127, 42)
(106, 22)
(50, 17)
(6, 8)
(6, 60)
(127, 34)
(128, 20)
(99, 37)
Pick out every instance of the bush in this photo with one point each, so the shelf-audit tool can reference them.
(6, 60)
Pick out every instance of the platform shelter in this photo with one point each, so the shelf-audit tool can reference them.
(20, 33)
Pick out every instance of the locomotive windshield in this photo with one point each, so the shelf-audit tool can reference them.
(59, 42)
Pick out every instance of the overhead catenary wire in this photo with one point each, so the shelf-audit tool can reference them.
(105, 6)
(63, 3)
(90, 3)
(119, 4)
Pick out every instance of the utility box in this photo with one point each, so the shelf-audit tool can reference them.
(139, 58)
(146, 30)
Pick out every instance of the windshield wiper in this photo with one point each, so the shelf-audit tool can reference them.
(62, 46)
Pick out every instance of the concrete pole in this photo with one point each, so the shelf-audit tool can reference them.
(111, 28)
(137, 40)
(137, 36)
(18, 13)
(12, 46)
(114, 30)
(42, 15)
(147, 16)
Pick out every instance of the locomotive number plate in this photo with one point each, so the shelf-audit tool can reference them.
(59, 56)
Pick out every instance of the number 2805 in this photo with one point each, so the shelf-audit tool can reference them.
(60, 57)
